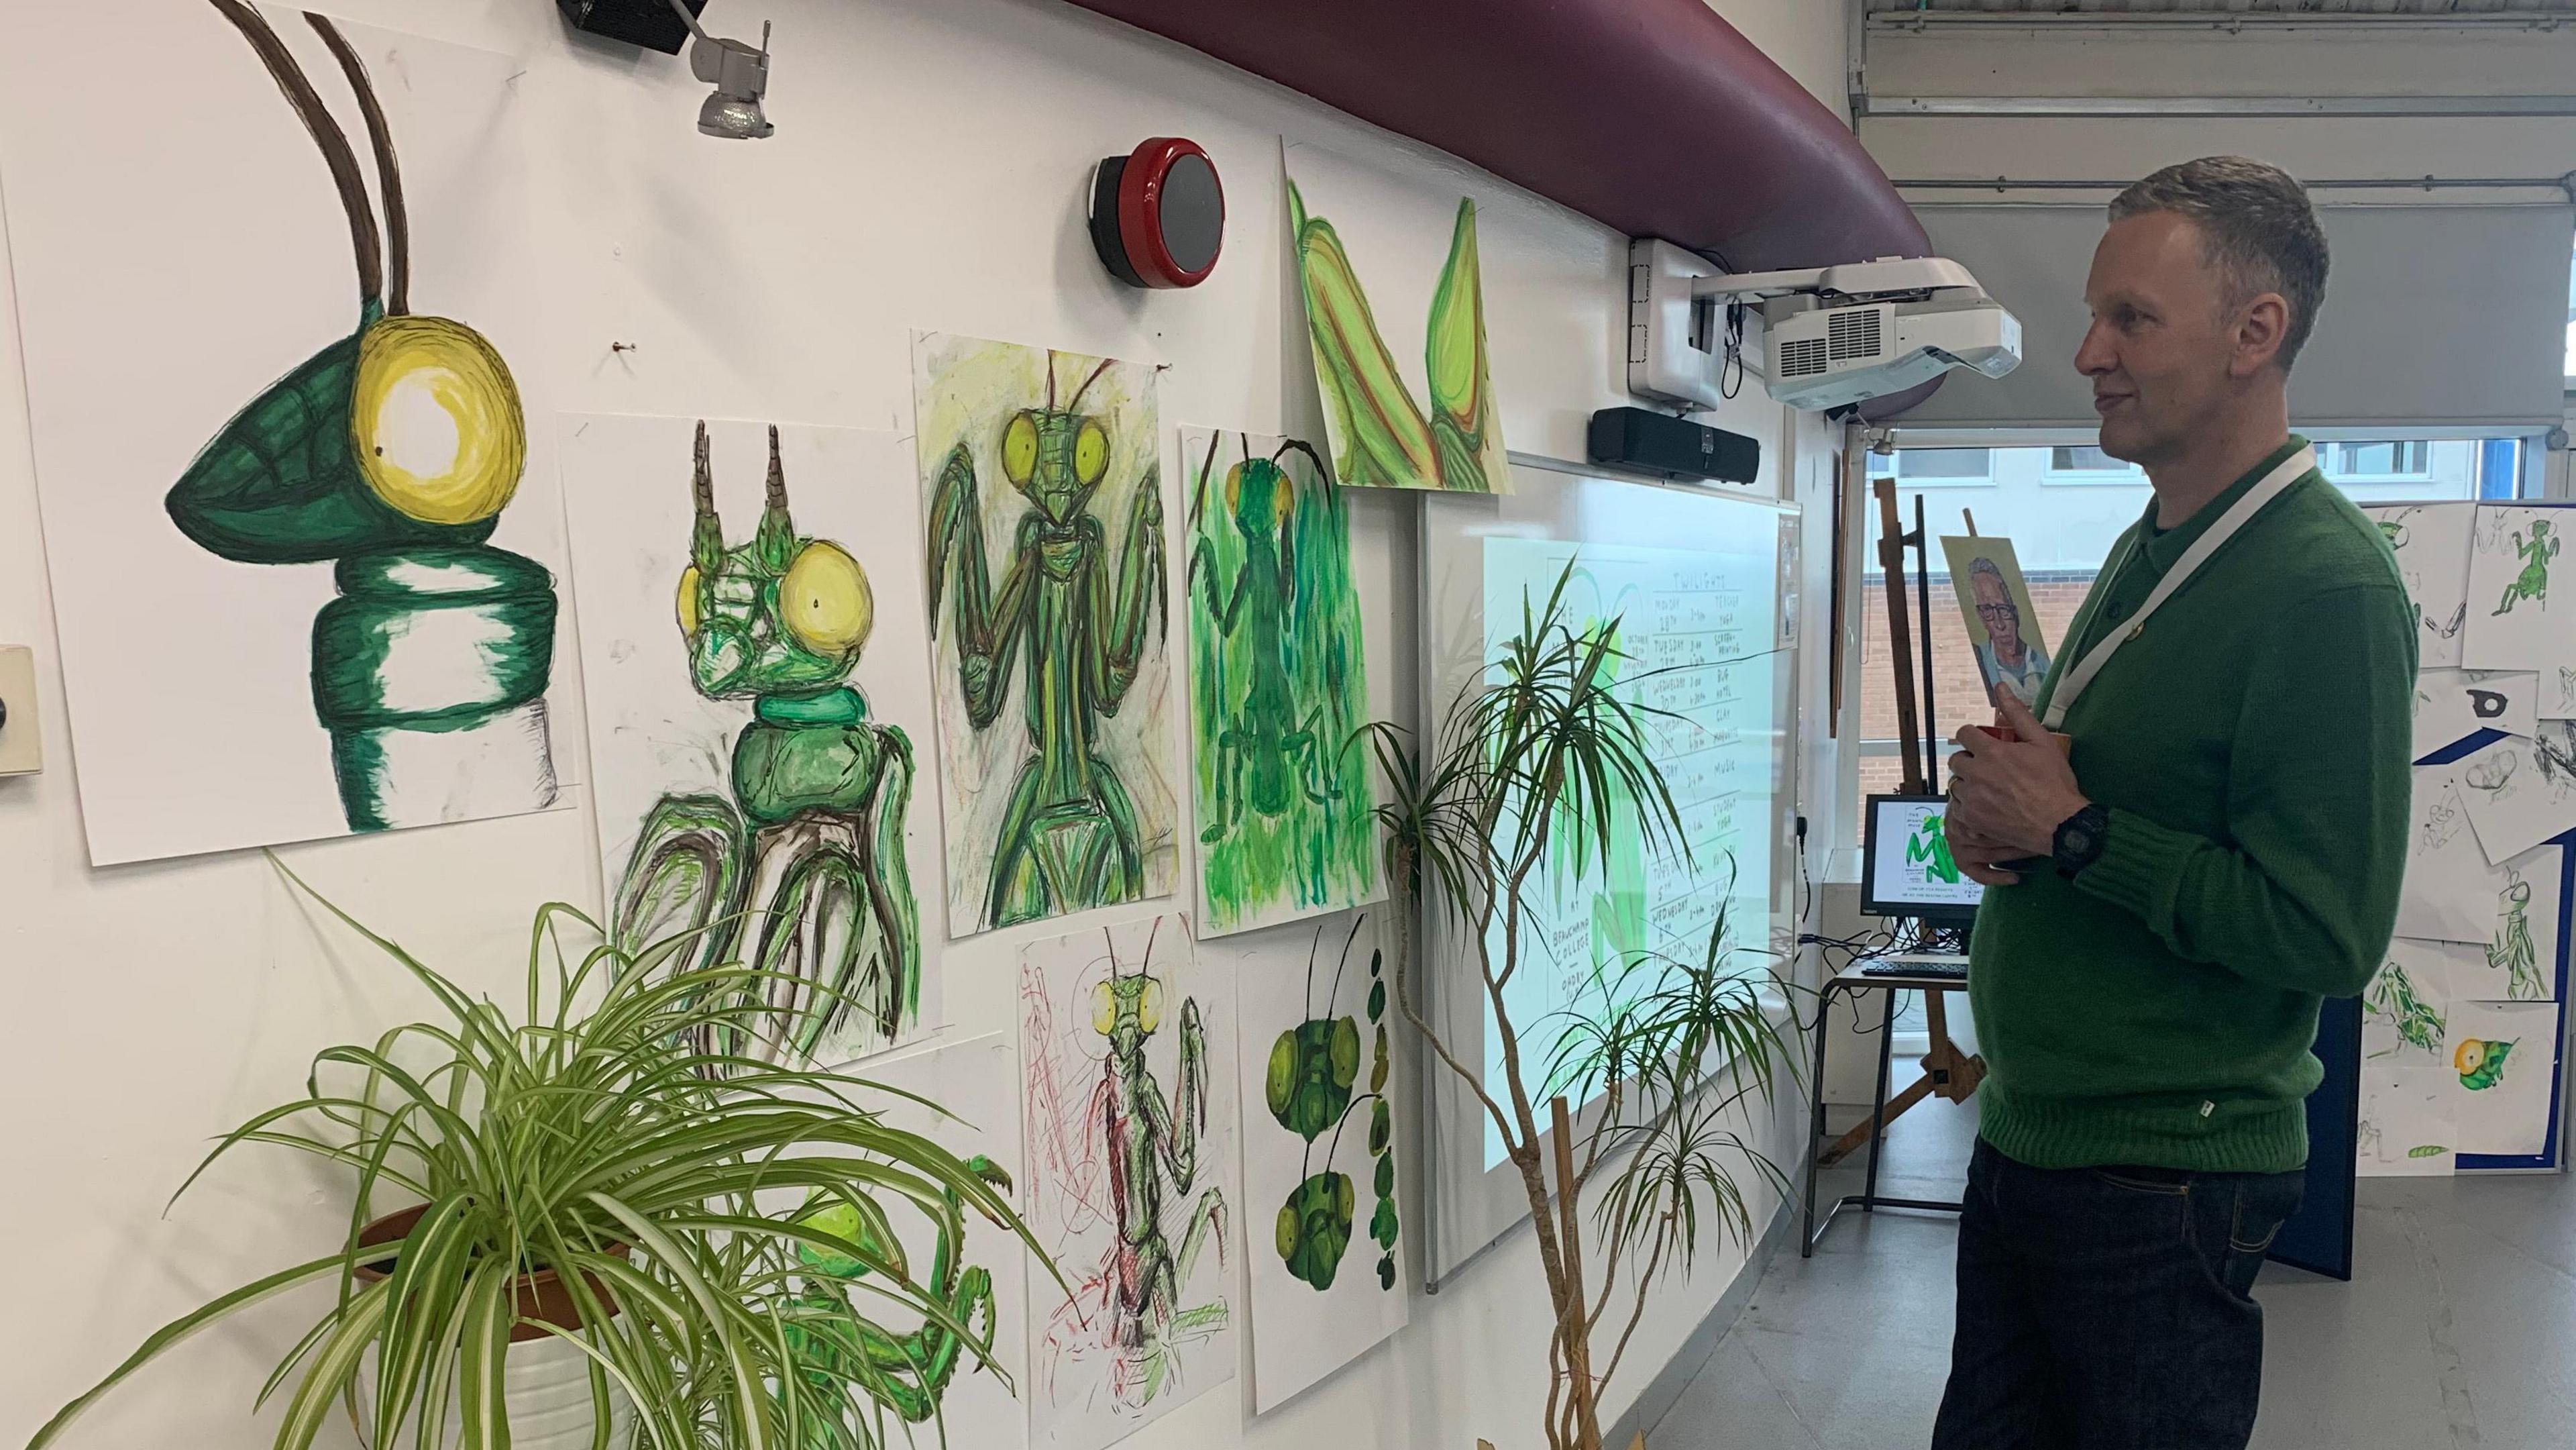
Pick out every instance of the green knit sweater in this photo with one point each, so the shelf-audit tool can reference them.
(2251, 742)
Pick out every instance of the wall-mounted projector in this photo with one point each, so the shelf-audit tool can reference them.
(1837, 335)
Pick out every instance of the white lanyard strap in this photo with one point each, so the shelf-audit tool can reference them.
(2291, 470)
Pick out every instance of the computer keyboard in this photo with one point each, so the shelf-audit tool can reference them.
(1947, 968)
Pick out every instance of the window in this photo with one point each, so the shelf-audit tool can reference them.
(2571, 325)
(2089, 465)
(1944, 467)
(2372, 462)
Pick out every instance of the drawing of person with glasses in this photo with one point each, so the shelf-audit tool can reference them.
(2008, 659)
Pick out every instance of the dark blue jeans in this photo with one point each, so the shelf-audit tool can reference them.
(2109, 1308)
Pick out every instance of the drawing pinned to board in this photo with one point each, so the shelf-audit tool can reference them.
(2431, 542)
(2451, 705)
(754, 714)
(1127, 1047)
(2408, 1128)
(1359, 325)
(2504, 1074)
(202, 479)
(2406, 1001)
(2449, 891)
(1278, 684)
(1319, 1157)
(931, 1375)
(2520, 792)
(2514, 622)
(2003, 627)
(1070, 803)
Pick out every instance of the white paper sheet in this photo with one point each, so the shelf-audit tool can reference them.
(654, 735)
(1298, 988)
(2432, 545)
(2451, 705)
(973, 1081)
(2519, 959)
(1104, 1014)
(2522, 598)
(2520, 792)
(2504, 1110)
(177, 251)
(2407, 1129)
(2447, 894)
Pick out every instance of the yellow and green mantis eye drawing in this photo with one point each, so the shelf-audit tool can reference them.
(391, 451)
(1381, 437)
(2480, 1062)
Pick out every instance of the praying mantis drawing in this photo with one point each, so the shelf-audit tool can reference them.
(391, 453)
(801, 870)
(2512, 950)
(908, 1373)
(2393, 997)
(1267, 753)
(2396, 532)
(1068, 837)
(1131, 1303)
(2533, 582)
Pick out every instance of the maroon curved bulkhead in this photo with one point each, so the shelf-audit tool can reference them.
(1655, 117)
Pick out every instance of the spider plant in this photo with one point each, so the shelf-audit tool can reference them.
(588, 1137)
(1539, 768)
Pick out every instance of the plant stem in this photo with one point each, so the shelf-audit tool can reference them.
(326, 133)
(1572, 1322)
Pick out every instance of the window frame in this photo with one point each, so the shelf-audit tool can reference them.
(2127, 474)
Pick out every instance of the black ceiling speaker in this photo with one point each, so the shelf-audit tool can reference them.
(648, 23)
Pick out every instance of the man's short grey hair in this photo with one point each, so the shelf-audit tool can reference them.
(2260, 233)
(1983, 565)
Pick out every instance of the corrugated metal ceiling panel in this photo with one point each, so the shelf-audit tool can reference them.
(2240, 7)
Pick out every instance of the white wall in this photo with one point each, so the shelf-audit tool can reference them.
(929, 172)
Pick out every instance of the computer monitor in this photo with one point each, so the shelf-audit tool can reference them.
(1905, 866)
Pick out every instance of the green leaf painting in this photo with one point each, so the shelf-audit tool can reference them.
(1278, 682)
(1382, 436)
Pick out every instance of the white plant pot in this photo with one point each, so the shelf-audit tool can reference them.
(546, 1392)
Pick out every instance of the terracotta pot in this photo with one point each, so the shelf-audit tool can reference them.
(541, 1295)
(545, 1386)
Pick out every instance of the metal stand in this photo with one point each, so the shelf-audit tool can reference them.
(1868, 1199)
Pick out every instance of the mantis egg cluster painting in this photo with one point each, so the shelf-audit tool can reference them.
(758, 695)
(1278, 685)
(1395, 312)
(1042, 496)
(1127, 1051)
(303, 552)
(1317, 1006)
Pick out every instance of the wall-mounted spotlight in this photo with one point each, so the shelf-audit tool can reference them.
(738, 70)
(740, 75)
(1158, 214)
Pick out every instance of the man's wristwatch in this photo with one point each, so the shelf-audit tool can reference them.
(2079, 840)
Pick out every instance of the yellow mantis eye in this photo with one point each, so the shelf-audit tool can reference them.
(1149, 1014)
(435, 420)
(1104, 1008)
(1090, 452)
(2470, 1056)
(688, 602)
(824, 600)
(1020, 448)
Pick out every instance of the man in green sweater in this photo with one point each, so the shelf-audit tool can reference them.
(2211, 847)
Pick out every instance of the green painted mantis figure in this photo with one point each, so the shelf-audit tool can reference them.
(907, 1373)
(2419, 1023)
(1380, 436)
(2533, 582)
(1930, 849)
(2480, 1062)
(1267, 753)
(391, 453)
(1313, 1067)
(1068, 838)
(802, 871)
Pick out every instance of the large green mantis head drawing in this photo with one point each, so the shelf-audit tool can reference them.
(1261, 497)
(781, 615)
(1055, 456)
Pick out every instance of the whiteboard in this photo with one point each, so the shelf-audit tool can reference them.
(1702, 585)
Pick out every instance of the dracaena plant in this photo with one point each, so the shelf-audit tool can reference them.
(1542, 767)
(683, 1198)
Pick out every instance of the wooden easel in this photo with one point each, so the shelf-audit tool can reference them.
(1947, 1072)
